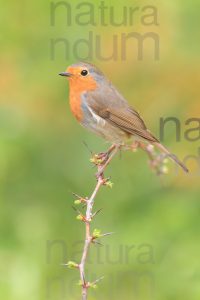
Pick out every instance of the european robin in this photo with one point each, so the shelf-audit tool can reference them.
(98, 106)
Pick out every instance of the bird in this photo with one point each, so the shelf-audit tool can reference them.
(98, 106)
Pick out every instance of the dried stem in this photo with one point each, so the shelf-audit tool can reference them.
(101, 161)
(104, 160)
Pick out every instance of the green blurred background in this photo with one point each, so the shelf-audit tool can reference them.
(154, 253)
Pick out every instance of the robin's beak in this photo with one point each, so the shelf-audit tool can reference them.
(65, 74)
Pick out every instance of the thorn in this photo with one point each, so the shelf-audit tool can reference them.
(86, 145)
(76, 195)
(76, 210)
(93, 284)
(94, 238)
(80, 216)
(71, 265)
(97, 212)
(79, 197)
(99, 279)
(94, 241)
(84, 205)
(106, 234)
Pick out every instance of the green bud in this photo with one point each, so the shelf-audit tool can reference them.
(109, 184)
(93, 285)
(96, 233)
(72, 265)
(77, 202)
(165, 170)
(165, 161)
(79, 217)
(96, 160)
(92, 160)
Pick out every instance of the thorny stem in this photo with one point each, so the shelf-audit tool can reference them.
(102, 168)
(102, 160)
(89, 204)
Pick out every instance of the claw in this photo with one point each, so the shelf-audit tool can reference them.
(103, 156)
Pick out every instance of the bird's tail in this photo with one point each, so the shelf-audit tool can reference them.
(172, 156)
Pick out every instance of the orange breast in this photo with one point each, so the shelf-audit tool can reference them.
(77, 88)
(75, 105)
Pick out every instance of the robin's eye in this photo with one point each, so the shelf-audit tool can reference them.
(84, 72)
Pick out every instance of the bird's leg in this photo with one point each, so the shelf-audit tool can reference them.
(111, 152)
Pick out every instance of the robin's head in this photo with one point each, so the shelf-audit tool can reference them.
(84, 75)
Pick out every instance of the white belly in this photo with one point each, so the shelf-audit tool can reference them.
(101, 127)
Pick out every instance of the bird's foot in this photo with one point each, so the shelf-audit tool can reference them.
(107, 158)
(103, 156)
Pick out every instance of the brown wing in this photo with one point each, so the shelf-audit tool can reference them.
(127, 120)
(110, 105)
